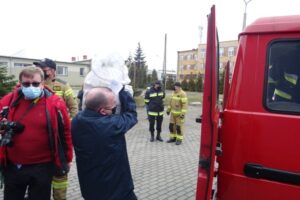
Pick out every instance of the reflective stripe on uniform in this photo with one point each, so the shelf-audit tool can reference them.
(283, 94)
(176, 112)
(153, 95)
(172, 135)
(59, 184)
(183, 111)
(184, 100)
(59, 93)
(160, 94)
(68, 92)
(176, 98)
(292, 78)
(179, 137)
(155, 113)
(146, 100)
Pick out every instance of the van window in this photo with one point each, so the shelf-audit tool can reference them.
(283, 82)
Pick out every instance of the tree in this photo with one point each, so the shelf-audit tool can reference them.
(140, 68)
(154, 76)
(192, 85)
(184, 84)
(170, 83)
(199, 83)
(7, 82)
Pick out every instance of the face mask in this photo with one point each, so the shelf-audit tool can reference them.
(32, 92)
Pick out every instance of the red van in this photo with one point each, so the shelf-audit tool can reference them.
(250, 145)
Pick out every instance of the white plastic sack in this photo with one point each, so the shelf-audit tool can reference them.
(108, 72)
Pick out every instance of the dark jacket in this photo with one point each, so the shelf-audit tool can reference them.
(154, 98)
(101, 153)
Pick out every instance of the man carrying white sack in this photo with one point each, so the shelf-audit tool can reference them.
(110, 72)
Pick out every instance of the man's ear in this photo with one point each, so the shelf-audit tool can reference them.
(102, 112)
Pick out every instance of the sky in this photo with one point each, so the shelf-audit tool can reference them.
(61, 29)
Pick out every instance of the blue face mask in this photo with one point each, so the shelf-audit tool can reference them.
(31, 92)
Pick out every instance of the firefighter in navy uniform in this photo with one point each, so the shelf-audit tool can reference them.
(154, 99)
(62, 89)
(178, 108)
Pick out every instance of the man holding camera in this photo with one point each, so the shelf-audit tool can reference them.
(178, 108)
(42, 147)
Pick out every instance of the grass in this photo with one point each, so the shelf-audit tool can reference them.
(192, 97)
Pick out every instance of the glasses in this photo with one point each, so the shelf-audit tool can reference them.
(34, 84)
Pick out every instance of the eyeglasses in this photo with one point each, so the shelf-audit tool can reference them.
(34, 84)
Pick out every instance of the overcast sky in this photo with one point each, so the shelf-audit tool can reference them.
(60, 29)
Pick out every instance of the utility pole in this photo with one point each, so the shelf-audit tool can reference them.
(165, 63)
(245, 13)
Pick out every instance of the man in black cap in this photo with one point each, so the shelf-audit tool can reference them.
(178, 108)
(154, 98)
(62, 89)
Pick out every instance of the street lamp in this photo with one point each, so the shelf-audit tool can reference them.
(245, 13)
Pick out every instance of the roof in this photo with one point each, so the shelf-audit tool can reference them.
(274, 24)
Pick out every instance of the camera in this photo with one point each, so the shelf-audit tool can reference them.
(10, 128)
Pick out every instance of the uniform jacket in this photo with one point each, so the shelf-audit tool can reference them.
(57, 110)
(154, 98)
(62, 89)
(101, 153)
(178, 103)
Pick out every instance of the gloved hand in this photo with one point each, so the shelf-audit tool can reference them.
(181, 116)
(168, 112)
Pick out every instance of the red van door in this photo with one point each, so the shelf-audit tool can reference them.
(210, 114)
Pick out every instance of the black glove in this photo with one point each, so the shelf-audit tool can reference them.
(181, 116)
(168, 112)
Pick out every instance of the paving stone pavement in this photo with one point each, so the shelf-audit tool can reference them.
(161, 171)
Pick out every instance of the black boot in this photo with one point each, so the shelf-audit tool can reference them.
(152, 137)
(158, 137)
(178, 142)
(171, 140)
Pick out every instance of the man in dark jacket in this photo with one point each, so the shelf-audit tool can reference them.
(154, 98)
(100, 146)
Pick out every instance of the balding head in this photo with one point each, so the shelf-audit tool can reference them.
(100, 98)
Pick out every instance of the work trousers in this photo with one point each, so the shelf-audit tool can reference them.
(36, 178)
(176, 127)
(152, 119)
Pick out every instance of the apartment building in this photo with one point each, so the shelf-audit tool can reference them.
(191, 63)
(72, 72)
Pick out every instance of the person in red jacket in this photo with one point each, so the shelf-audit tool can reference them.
(30, 155)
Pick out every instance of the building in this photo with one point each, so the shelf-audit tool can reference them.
(187, 65)
(191, 63)
(72, 72)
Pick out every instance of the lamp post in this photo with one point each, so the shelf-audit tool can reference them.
(245, 13)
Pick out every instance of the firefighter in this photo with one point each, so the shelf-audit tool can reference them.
(178, 108)
(62, 89)
(154, 99)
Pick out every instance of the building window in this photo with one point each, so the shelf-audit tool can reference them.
(181, 57)
(81, 71)
(181, 76)
(184, 67)
(231, 51)
(202, 53)
(3, 64)
(21, 65)
(63, 71)
(282, 90)
(221, 52)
